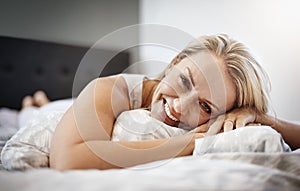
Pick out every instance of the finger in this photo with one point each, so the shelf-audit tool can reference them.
(216, 126)
(242, 121)
(199, 135)
(228, 125)
(253, 124)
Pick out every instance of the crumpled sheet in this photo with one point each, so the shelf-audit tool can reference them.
(30, 146)
(185, 173)
(241, 165)
(8, 125)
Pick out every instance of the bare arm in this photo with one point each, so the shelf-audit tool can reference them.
(82, 138)
(289, 131)
(107, 154)
(241, 117)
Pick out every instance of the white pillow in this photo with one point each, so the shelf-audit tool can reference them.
(138, 125)
(245, 139)
(30, 146)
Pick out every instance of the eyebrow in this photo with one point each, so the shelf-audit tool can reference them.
(193, 82)
(191, 76)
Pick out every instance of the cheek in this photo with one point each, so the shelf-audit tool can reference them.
(168, 88)
(203, 118)
(195, 117)
(194, 121)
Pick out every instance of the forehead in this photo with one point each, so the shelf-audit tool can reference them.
(203, 62)
(205, 66)
(211, 78)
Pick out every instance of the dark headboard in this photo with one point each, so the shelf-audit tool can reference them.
(30, 65)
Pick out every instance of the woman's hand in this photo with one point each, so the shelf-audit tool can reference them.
(242, 117)
(236, 118)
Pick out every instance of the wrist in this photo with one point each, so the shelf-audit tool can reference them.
(269, 120)
(189, 144)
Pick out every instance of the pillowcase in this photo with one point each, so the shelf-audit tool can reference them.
(245, 139)
(30, 146)
(138, 125)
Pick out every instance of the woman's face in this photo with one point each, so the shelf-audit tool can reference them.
(194, 90)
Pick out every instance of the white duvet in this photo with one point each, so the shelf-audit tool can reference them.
(250, 158)
(30, 146)
(206, 172)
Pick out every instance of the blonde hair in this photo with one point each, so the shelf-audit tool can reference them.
(251, 81)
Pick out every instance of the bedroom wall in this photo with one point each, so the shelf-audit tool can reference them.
(73, 22)
(76, 22)
(270, 28)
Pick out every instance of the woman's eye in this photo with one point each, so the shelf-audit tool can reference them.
(205, 107)
(185, 81)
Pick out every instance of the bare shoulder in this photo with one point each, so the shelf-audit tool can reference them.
(111, 84)
(102, 101)
(92, 115)
(103, 91)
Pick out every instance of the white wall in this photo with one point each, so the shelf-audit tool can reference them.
(271, 28)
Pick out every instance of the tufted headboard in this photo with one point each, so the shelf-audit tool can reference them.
(30, 65)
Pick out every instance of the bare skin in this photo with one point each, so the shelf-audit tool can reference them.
(242, 117)
(82, 138)
(83, 144)
(186, 98)
(132, 150)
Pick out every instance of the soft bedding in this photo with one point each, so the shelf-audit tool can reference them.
(8, 124)
(246, 139)
(186, 173)
(30, 146)
(249, 158)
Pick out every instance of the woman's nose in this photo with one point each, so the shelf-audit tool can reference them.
(177, 105)
(185, 102)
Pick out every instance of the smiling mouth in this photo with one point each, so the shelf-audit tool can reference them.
(171, 119)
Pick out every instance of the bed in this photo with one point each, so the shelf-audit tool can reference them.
(28, 65)
(238, 160)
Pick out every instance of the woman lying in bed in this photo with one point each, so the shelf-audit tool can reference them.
(210, 77)
(213, 75)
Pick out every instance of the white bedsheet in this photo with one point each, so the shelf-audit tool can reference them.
(30, 146)
(208, 172)
(249, 159)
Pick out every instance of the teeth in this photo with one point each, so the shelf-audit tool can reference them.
(167, 109)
